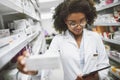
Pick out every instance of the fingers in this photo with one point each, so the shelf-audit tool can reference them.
(79, 77)
(93, 76)
(21, 64)
(31, 72)
(26, 54)
(21, 61)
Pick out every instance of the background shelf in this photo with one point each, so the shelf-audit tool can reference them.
(108, 6)
(107, 24)
(8, 52)
(114, 58)
(115, 74)
(112, 41)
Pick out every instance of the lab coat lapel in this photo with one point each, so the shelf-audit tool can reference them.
(86, 37)
(69, 37)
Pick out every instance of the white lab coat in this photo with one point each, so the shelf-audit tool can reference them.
(94, 51)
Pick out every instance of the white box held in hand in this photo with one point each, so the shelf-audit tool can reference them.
(49, 60)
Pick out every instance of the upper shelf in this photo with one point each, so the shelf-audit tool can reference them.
(9, 51)
(112, 41)
(107, 24)
(13, 6)
(114, 58)
(108, 6)
(8, 6)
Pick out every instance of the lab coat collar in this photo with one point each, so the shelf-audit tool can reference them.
(70, 37)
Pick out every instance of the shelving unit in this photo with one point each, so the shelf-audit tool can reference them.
(112, 42)
(28, 31)
(14, 7)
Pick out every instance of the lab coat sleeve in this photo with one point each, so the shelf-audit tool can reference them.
(103, 60)
(54, 46)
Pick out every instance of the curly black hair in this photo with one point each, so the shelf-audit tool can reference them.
(73, 6)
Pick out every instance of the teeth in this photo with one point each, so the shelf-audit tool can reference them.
(77, 30)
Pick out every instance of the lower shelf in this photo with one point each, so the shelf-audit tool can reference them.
(116, 75)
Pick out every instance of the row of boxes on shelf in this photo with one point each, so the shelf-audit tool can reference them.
(113, 36)
(102, 3)
(108, 32)
(117, 35)
(112, 53)
(116, 13)
(116, 70)
(27, 7)
(115, 54)
(7, 40)
(4, 33)
(106, 18)
(109, 17)
(20, 28)
(24, 25)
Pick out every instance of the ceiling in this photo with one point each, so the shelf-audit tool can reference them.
(47, 6)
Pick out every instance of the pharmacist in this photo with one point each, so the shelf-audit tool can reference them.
(81, 51)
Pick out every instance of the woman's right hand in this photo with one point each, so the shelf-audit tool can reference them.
(93, 76)
(21, 64)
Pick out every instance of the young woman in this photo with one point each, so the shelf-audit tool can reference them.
(81, 51)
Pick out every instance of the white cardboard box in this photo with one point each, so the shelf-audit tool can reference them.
(48, 60)
(4, 33)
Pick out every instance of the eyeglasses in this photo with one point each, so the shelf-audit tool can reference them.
(73, 23)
